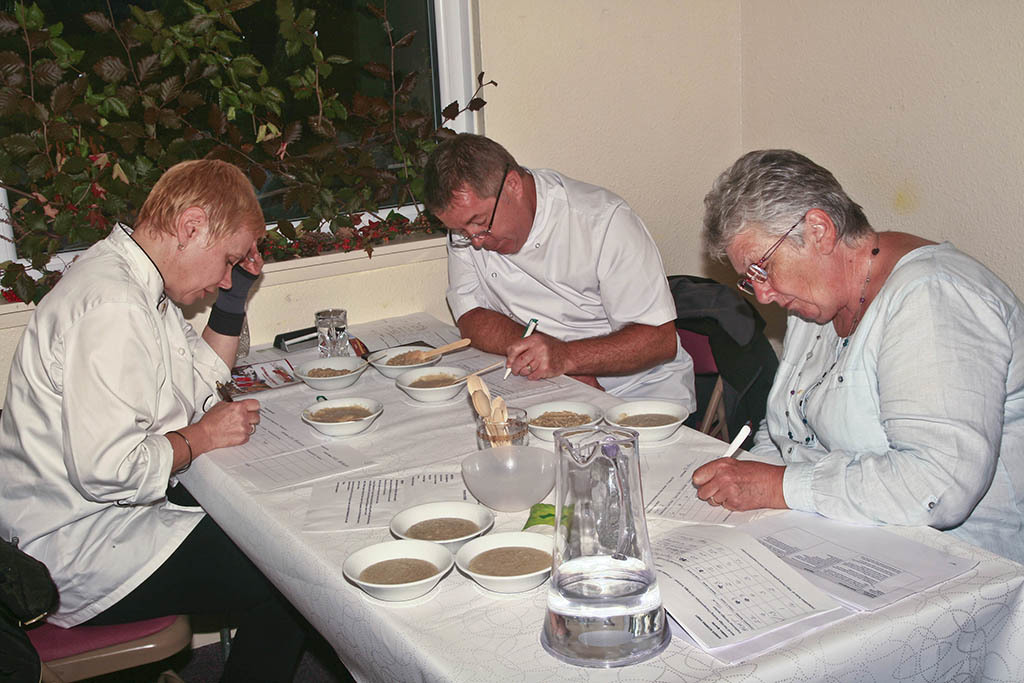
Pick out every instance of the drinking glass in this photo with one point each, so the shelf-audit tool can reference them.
(332, 332)
(512, 432)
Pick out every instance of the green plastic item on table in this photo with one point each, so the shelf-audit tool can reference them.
(544, 514)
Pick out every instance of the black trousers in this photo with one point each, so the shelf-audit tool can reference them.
(208, 574)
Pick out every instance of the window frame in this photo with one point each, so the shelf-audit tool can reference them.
(455, 42)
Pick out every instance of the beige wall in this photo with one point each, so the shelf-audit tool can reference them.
(640, 97)
(916, 107)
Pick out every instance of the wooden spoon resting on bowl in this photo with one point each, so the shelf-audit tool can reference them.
(423, 356)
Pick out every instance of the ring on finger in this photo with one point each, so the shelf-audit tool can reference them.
(252, 429)
(711, 500)
(529, 368)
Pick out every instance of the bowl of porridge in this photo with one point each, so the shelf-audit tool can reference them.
(431, 384)
(398, 570)
(545, 418)
(653, 420)
(394, 361)
(337, 372)
(510, 562)
(342, 416)
(449, 523)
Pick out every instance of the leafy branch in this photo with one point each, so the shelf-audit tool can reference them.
(86, 132)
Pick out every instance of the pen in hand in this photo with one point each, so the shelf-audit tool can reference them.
(530, 327)
(224, 393)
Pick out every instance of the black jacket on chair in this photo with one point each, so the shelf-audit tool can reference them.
(745, 358)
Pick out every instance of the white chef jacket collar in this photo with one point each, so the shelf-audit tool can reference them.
(143, 267)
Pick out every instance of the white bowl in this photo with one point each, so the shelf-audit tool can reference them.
(548, 433)
(379, 360)
(647, 434)
(509, 478)
(505, 584)
(431, 394)
(355, 365)
(390, 550)
(477, 514)
(343, 428)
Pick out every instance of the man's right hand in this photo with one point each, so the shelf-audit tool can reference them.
(538, 356)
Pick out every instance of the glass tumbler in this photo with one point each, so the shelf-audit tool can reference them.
(511, 432)
(332, 332)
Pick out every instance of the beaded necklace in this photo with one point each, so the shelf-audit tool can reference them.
(840, 347)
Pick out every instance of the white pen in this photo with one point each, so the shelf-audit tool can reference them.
(734, 447)
(530, 327)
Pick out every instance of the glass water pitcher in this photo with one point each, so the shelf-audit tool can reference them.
(604, 607)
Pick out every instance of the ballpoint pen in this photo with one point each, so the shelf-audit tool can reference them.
(530, 327)
(224, 393)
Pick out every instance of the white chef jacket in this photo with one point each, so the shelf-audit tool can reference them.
(921, 419)
(588, 268)
(106, 365)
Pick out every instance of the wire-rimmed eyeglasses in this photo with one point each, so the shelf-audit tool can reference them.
(756, 271)
(461, 239)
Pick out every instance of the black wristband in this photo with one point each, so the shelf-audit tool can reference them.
(233, 300)
(222, 322)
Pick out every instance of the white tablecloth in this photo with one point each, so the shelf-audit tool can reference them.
(970, 628)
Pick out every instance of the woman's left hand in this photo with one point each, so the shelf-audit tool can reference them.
(740, 484)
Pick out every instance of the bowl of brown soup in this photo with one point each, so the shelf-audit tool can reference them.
(509, 562)
(653, 420)
(398, 570)
(342, 416)
(337, 372)
(449, 523)
(394, 361)
(545, 418)
(431, 384)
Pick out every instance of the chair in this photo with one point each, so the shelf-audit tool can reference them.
(713, 421)
(734, 362)
(81, 652)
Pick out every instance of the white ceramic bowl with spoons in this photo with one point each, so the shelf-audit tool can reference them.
(433, 553)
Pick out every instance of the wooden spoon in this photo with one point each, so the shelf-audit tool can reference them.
(481, 404)
(499, 420)
(473, 377)
(423, 356)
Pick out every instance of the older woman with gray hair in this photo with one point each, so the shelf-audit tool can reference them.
(899, 397)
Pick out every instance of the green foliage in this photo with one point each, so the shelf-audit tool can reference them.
(84, 135)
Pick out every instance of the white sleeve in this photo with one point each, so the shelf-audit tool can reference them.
(634, 288)
(109, 405)
(464, 291)
(942, 368)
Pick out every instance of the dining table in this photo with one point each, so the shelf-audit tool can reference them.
(298, 526)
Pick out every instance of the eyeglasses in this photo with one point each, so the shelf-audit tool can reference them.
(460, 239)
(756, 272)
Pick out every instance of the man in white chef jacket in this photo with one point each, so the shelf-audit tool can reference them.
(533, 243)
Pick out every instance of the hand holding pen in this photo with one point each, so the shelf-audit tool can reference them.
(530, 327)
